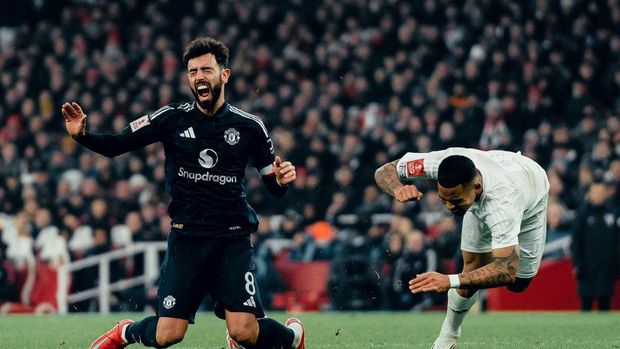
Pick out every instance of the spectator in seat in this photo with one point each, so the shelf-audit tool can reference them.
(20, 251)
(8, 287)
(595, 249)
(558, 241)
(352, 284)
(416, 259)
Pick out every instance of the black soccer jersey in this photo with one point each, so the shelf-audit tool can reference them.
(206, 157)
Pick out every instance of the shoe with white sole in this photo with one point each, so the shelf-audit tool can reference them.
(444, 341)
(113, 339)
(300, 333)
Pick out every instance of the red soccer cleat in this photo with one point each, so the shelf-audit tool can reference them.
(293, 320)
(112, 339)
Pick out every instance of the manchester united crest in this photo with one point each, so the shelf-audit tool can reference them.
(231, 136)
(169, 302)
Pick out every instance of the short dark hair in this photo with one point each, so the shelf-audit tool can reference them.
(455, 170)
(204, 45)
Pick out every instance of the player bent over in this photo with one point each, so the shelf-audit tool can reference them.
(502, 198)
(208, 144)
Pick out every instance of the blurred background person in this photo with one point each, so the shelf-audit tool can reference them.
(595, 249)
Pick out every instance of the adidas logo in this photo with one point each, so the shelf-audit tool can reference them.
(250, 302)
(189, 133)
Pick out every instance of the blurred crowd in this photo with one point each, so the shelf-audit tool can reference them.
(343, 87)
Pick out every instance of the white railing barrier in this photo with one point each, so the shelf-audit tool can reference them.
(104, 289)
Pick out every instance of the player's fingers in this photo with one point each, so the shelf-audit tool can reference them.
(403, 194)
(287, 178)
(416, 290)
(419, 277)
(398, 195)
(412, 193)
(286, 169)
(66, 110)
(277, 162)
(77, 108)
(416, 281)
(281, 172)
(426, 289)
(69, 108)
(421, 286)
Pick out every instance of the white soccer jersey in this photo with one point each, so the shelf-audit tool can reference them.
(512, 207)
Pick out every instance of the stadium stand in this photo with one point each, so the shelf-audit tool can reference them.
(344, 86)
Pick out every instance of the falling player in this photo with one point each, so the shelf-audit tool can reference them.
(502, 198)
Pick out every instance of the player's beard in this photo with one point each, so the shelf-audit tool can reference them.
(214, 90)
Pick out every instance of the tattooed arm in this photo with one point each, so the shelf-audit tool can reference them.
(387, 178)
(502, 271)
(389, 182)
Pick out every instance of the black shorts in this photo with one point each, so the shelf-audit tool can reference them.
(195, 266)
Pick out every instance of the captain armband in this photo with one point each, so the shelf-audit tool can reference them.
(410, 169)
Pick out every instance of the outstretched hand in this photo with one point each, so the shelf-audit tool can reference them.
(75, 119)
(429, 282)
(407, 193)
(284, 171)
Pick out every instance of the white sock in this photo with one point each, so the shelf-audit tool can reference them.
(123, 333)
(457, 309)
(298, 331)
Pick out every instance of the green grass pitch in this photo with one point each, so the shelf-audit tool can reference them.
(343, 330)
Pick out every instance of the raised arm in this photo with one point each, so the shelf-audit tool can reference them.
(280, 175)
(75, 119)
(104, 144)
(387, 178)
(388, 181)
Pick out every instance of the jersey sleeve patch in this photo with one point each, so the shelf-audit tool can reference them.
(139, 123)
(415, 168)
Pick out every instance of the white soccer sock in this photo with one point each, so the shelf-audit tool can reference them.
(457, 309)
(123, 333)
(298, 331)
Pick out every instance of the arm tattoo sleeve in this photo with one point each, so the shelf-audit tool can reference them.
(387, 178)
(501, 272)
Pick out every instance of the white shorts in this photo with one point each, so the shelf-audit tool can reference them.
(476, 238)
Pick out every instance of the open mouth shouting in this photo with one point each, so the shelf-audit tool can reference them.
(203, 90)
(207, 94)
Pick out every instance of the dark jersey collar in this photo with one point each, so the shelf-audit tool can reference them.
(219, 113)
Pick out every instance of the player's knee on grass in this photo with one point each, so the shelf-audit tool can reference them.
(243, 332)
(171, 334)
(169, 338)
(519, 285)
